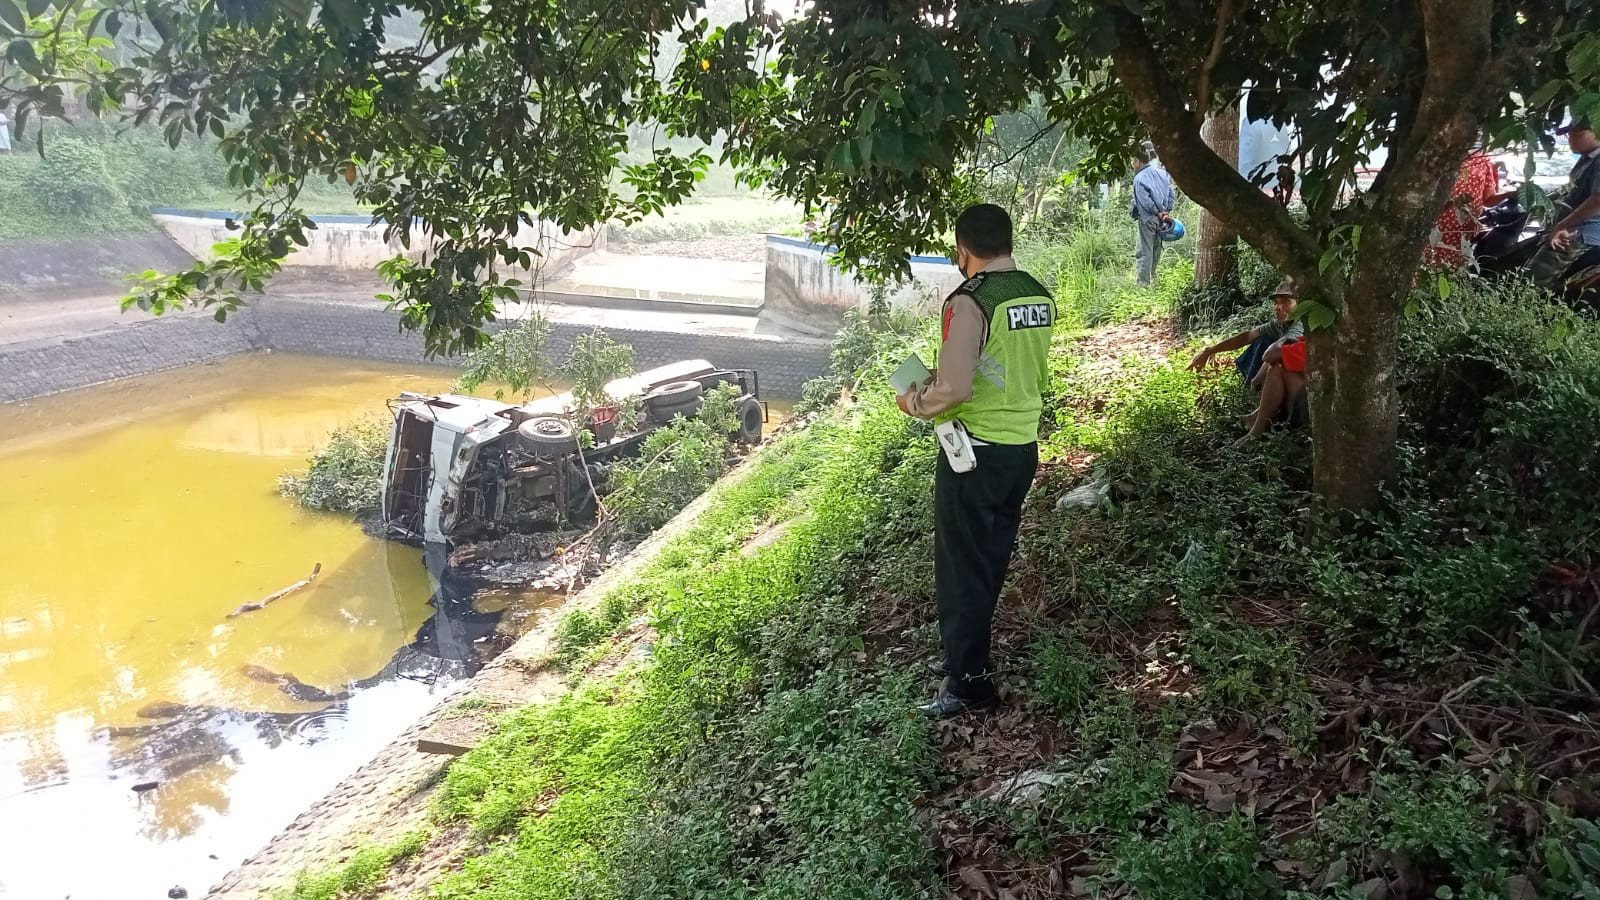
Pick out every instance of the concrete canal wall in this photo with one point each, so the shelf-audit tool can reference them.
(42, 366)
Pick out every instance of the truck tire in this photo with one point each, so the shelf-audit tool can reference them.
(548, 436)
(667, 412)
(752, 417)
(675, 394)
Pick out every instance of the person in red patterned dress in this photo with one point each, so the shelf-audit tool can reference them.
(1477, 186)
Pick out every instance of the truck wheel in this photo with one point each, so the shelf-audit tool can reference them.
(666, 412)
(751, 419)
(549, 435)
(677, 393)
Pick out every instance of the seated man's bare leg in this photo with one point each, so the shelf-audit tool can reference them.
(1293, 384)
(1272, 394)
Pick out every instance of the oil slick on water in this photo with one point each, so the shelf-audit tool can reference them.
(134, 518)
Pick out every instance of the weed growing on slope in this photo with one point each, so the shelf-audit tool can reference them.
(1066, 675)
(358, 876)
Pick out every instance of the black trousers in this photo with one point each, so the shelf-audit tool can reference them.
(975, 519)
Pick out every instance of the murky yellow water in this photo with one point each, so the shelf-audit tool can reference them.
(133, 519)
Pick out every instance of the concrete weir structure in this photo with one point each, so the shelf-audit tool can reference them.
(806, 291)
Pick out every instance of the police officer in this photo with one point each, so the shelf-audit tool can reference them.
(992, 367)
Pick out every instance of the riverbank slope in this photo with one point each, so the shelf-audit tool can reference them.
(1204, 697)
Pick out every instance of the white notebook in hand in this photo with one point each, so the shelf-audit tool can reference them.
(912, 374)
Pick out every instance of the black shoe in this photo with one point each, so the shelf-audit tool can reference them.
(946, 704)
(936, 667)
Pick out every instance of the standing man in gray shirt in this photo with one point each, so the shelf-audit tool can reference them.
(1151, 208)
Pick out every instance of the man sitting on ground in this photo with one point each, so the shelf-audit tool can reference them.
(1284, 326)
(1280, 382)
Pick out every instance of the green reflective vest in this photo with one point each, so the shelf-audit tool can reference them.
(1014, 364)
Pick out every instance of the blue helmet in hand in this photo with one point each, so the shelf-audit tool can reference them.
(1171, 230)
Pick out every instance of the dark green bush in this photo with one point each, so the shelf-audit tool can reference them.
(347, 474)
(1500, 389)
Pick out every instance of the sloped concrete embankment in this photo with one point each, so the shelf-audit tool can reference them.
(390, 795)
(75, 267)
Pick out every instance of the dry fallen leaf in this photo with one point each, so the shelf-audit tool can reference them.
(977, 879)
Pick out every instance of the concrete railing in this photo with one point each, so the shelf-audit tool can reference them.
(807, 291)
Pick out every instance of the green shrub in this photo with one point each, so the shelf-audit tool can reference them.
(1500, 388)
(863, 343)
(347, 474)
(1243, 668)
(1189, 858)
(1569, 854)
(1067, 676)
(1440, 820)
(1111, 793)
(676, 464)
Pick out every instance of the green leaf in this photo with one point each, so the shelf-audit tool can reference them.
(1329, 257)
(37, 8)
(1443, 286)
(21, 52)
(11, 16)
(1584, 60)
(1557, 863)
(1316, 315)
(1560, 330)
(1590, 856)
(1544, 95)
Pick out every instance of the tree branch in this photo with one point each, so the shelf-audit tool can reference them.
(1202, 91)
(1422, 170)
(1203, 175)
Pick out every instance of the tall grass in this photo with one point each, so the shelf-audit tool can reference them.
(1089, 266)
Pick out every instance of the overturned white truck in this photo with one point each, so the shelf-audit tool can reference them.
(462, 468)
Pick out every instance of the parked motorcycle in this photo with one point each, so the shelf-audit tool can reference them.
(1503, 225)
(1502, 249)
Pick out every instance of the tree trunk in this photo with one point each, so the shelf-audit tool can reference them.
(1216, 246)
(1355, 409)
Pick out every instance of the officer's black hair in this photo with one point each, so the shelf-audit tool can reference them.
(985, 230)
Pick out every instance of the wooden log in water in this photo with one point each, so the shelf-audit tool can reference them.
(279, 595)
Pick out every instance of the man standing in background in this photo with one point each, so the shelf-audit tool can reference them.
(1151, 208)
(992, 369)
